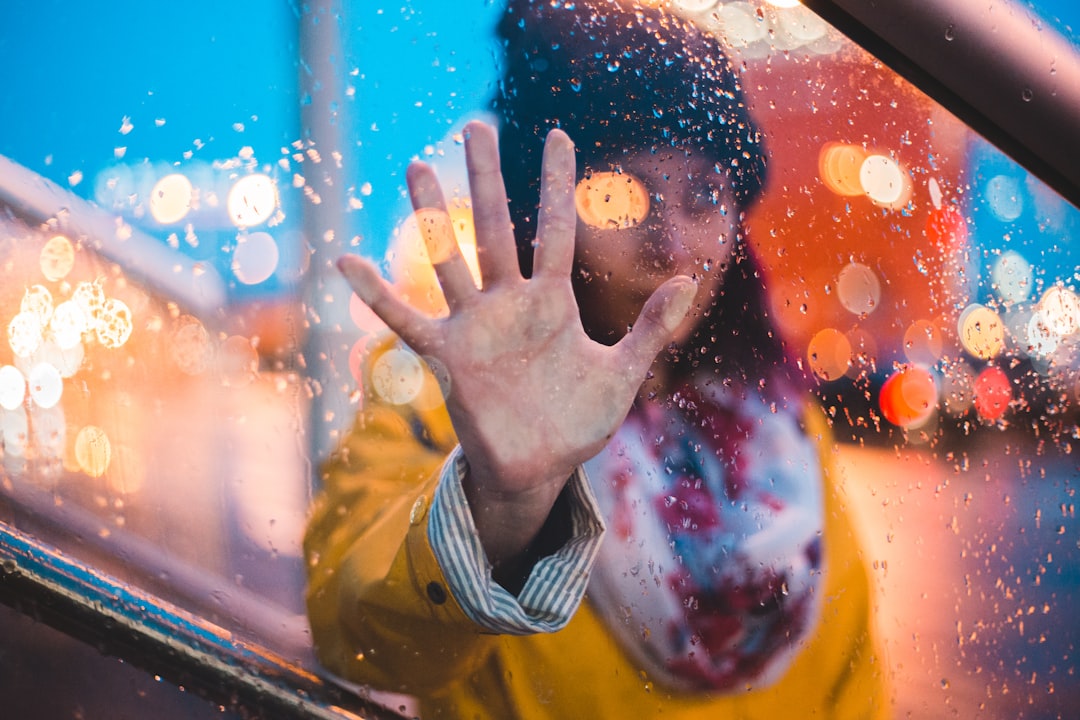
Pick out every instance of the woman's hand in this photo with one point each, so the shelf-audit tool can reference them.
(531, 395)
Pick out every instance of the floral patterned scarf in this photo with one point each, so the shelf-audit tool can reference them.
(713, 554)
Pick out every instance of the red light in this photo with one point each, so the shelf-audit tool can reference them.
(909, 397)
(993, 393)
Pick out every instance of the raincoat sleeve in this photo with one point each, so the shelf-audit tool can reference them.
(400, 595)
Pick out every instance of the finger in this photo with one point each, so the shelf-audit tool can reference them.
(557, 223)
(495, 247)
(437, 230)
(411, 326)
(664, 311)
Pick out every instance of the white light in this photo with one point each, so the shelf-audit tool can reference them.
(24, 334)
(255, 258)
(397, 376)
(1012, 276)
(1005, 197)
(46, 385)
(883, 180)
(1060, 309)
(68, 324)
(252, 200)
(12, 387)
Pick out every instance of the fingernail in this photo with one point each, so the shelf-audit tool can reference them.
(679, 306)
(437, 229)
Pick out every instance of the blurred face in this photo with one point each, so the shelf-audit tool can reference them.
(645, 218)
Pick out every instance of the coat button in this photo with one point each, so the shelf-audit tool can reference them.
(436, 593)
(416, 515)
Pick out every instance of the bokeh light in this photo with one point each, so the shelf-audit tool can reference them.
(46, 385)
(739, 24)
(14, 432)
(190, 347)
(981, 331)
(838, 165)
(57, 258)
(993, 393)
(859, 289)
(1012, 277)
(884, 181)
(1004, 196)
(410, 268)
(610, 200)
(364, 317)
(829, 354)
(93, 451)
(12, 387)
(909, 397)
(923, 342)
(38, 300)
(252, 200)
(90, 297)
(397, 376)
(170, 199)
(239, 361)
(1059, 308)
(255, 258)
(24, 334)
(958, 388)
(114, 323)
(68, 324)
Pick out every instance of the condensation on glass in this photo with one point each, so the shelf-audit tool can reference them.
(926, 282)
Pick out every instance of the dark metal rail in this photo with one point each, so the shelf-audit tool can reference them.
(994, 64)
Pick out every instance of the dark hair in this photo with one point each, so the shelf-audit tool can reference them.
(616, 79)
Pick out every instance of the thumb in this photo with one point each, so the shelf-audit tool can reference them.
(665, 309)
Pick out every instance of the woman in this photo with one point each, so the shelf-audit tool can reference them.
(621, 373)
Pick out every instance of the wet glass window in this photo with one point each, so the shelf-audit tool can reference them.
(179, 354)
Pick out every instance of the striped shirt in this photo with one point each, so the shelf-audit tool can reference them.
(556, 584)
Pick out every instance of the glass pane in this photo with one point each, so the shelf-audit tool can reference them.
(180, 355)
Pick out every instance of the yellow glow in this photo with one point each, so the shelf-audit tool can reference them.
(93, 451)
(170, 200)
(24, 334)
(838, 164)
(68, 324)
(411, 269)
(610, 200)
(829, 353)
(884, 181)
(859, 289)
(252, 200)
(46, 385)
(12, 387)
(1059, 308)
(114, 323)
(982, 332)
(255, 258)
(57, 258)
(397, 376)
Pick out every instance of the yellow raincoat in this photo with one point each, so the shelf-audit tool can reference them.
(382, 614)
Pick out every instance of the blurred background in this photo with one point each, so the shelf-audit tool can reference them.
(179, 354)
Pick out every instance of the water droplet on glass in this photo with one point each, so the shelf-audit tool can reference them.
(950, 32)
